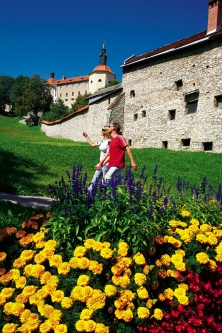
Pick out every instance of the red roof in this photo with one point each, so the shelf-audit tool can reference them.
(173, 46)
(66, 81)
(102, 68)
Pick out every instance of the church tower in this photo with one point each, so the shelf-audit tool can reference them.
(101, 75)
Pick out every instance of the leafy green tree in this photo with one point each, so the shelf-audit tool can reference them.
(58, 110)
(80, 102)
(6, 83)
(112, 83)
(31, 94)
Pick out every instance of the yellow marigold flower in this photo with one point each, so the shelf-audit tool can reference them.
(205, 227)
(186, 237)
(212, 265)
(201, 238)
(45, 327)
(165, 260)
(194, 222)
(97, 246)
(89, 243)
(21, 298)
(53, 281)
(143, 313)
(32, 324)
(181, 252)
(57, 296)
(2, 300)
(95, 267)
(212, 240)
(185, 213)
(20, 282)
(74, 262)
(219, 248)
(45, 277)
(184, 286)
(110, 290)
(142, 293)
(55, 260)
(161, 298)
(90, 325)
(127, 315)
(140, 279)
(79, 251)
(86, 314)
(46, 310)
(66, 303)
(106, 244)
(29, 290)
(202, 258)
(184, 300)
(80, 325)
(26, 240)
(77, 294)
(158, 263)
(139, 259)
(124, 281)
(130, 306)
(180, 266)
(174, 223)
(101, 328)
(96, 301)
(3, 256)
(123, 245)
(15, 273)
(7, 292)
(175, 242)
(9, 328)
(119, 313)
(38, 237)
(27, 255)
(83, 263)
(128, 271)
(116, 280)
(193, 229)
(5, 278)
(50, 244)
(40, 257)
(158, 314)
(168, 293)
(179, 292)
(146, 269)
(19, 263)
(83, 280)
(149, 303)
(25, 315)
(61, 328)
(106, 253)
(219, 257)
(14, 308)
(64, 268)
(176, 257)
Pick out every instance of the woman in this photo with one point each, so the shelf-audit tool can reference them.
(103, 146)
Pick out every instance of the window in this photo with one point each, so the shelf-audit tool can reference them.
(207, 146)
(91, 81)
(185, 142)
(130, 142)
(218, 101)
(72, 99)
(66, 99)
(108, 100)
(99, 80)
(165, 144)
(143, 114)
(191, 102)
(79, 84)
(60, 95)
(72, 93)
(85, 91)
(66, 94)
(172, 114)
(132, 93)
(78, 93)
(135, 116)
(179, 85)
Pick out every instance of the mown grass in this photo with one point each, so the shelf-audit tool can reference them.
(29, 160)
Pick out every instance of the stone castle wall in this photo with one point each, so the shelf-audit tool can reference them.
(91, 121)
(147, 115)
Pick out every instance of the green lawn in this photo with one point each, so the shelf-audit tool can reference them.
(29, 160)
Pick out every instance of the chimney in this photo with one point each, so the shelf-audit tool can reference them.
(214, 15)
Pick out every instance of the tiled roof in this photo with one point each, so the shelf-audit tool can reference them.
(102, 68)
(116, 100)
(70, 80)
(46, 122)
(173, 46)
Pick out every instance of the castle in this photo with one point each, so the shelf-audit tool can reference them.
(169, 98)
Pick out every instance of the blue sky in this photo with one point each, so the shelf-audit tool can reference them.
(66, 36)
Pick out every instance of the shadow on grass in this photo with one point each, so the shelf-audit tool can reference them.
(18, 175)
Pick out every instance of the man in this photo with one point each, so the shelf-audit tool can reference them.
(116, 153)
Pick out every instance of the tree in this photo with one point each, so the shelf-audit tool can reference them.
(6, 83)
(80, 102)
(31, 94)
(58, 110)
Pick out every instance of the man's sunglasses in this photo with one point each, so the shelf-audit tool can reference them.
(103, 130)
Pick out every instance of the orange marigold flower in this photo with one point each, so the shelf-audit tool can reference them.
(20, 233)
(10, 230)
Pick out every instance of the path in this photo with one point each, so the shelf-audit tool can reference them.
(41, 202)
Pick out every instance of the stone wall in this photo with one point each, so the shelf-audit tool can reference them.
(92, 120)
(152, 93)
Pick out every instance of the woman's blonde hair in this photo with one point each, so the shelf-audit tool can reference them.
(108, 135)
